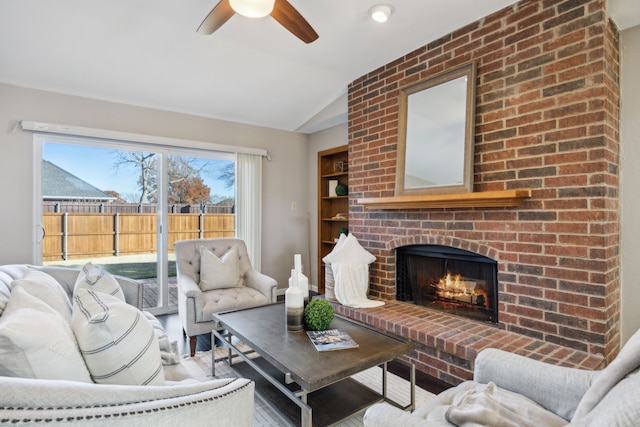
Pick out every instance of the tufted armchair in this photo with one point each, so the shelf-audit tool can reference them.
(195, 305)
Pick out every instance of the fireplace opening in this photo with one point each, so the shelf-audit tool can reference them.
(448, 279)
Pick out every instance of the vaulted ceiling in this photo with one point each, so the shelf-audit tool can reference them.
(147, 53)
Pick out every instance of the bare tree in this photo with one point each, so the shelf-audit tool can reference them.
(185, 181)
(145, 162)
(227, 174)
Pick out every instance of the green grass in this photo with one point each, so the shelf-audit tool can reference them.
(138, 270)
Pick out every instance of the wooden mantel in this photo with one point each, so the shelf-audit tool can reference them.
(481, 199)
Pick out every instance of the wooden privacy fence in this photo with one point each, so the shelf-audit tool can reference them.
(113, 207)
(71, 235)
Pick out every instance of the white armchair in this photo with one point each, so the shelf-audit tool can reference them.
(513, 390)
(195, 305)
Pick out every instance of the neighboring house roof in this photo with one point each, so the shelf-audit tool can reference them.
(58, 184)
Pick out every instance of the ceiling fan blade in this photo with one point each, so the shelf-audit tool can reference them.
(291, 19)
(216, 18)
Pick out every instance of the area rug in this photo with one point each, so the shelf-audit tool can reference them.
(264, 416)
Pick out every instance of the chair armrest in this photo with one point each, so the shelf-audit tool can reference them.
(66, 276)
(189, 288)
(228, 401)
(264, 284)
(557, 388)
(133, 291)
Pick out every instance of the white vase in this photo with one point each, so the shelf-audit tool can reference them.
(303, 281)
(294, 305)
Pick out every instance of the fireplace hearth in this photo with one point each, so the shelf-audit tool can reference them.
(448, 279)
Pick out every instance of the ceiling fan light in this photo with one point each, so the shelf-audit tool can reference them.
(252, 8)
(381, 12)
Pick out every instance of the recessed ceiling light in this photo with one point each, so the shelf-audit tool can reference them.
(381, 12)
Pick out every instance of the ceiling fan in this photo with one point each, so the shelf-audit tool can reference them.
(280, 10)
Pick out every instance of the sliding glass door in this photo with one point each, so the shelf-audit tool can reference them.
(122, 206)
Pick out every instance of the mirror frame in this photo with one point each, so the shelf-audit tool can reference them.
(468, 70)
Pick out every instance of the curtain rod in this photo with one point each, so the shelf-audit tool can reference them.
(136, 137)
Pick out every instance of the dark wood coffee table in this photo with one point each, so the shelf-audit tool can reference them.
(308, 387)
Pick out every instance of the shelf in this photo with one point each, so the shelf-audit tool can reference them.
(482, 199)
(330, 206)
(328, 242)
(335, 175)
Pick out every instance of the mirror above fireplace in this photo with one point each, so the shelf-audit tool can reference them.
(436, 134)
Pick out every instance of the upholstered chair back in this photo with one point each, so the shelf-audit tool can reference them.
(188, 255)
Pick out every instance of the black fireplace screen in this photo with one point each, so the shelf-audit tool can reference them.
(448, 279)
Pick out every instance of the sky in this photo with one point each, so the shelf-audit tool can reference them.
(97, 166)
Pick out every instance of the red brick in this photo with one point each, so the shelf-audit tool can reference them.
(546, 119)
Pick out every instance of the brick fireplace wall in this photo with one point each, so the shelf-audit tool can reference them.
(547, 111)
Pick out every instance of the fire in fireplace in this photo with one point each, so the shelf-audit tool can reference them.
(448, 279)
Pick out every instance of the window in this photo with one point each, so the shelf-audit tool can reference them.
(106, 202)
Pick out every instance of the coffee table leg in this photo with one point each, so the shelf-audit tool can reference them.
(213, 353)
(229, 355)
(299, 397)
(384, 380)
(217, 334)
(412, 385)
(306, 418)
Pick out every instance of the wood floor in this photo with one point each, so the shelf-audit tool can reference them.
(172, 326)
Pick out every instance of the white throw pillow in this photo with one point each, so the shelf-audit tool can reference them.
(216, 273)
(168, 349)
(47, 289)
(36, 342)
(116, 340)
(96, 279)
(349, 252)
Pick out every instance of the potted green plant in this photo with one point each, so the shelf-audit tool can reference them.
(318, 315)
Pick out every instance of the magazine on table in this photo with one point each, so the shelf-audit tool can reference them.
(331, 339)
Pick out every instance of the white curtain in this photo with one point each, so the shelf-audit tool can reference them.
(249, 205)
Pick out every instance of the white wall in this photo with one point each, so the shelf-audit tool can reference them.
(629, 179)
(330, 138)
(285, 231)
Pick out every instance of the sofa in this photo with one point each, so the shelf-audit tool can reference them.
(513, 390)
(45, 380)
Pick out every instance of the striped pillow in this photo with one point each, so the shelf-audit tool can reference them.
(116, 340)
(96, 279)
